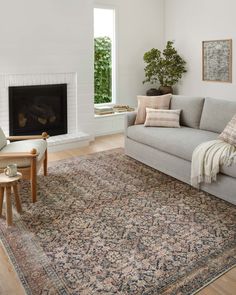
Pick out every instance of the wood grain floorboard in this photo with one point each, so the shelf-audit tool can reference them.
(9, 282)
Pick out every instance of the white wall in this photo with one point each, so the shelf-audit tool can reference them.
(56, 36)
(50, 36)
(53, 36)
(189, 22)
(139, 28)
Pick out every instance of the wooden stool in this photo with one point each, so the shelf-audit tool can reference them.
(6, 184)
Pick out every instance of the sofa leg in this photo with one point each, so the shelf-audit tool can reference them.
(45, 163)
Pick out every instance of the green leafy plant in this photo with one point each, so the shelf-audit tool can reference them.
(102, 70)
(167, 67)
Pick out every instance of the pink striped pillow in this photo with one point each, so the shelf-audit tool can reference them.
(162, 118)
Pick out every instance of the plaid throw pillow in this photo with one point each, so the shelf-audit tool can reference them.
(229, 133)
(162, 118)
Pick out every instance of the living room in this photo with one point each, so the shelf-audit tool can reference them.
(114, 211)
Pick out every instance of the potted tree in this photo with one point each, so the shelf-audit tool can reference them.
(165, 67)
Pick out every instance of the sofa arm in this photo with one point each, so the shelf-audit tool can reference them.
(130, 119)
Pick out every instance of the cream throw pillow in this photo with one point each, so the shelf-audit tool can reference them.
(229, 133)
(154, 102)
(162, 118)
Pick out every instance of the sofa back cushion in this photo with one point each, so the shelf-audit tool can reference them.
(216, 114)
(191, 109)
(3, 141)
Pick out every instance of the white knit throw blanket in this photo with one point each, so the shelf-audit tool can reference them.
(207, 159)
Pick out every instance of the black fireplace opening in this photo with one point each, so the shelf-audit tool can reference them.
(38, 108)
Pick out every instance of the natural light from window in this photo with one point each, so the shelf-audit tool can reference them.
(103, 22)
(104, 55)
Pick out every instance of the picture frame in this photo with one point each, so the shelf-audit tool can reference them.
(217, 60)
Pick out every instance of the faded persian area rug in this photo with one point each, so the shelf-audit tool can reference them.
(107, 224)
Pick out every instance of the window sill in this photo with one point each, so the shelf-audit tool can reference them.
(110, 115)
(109, 104)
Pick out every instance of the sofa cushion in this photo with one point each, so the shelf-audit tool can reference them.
(180, 142)
(23, 146)
(216, 114)
(3, 140)
(191, 109)
(230, 171)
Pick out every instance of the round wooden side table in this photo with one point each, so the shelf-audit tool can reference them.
(6, 185)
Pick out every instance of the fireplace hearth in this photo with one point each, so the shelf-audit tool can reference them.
(38, 108)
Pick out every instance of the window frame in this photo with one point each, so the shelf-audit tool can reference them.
(113, 52)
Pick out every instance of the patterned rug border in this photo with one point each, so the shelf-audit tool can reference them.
(49, 268)
(213, 280)
(41, 257)
(14, 264)
(220, 272)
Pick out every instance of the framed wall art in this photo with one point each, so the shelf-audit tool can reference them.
(217, 60)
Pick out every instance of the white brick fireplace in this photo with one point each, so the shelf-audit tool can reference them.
(74, 137)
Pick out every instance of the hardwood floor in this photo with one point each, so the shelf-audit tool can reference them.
(9, 282)
(101, 143)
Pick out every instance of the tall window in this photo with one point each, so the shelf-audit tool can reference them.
(104, 55)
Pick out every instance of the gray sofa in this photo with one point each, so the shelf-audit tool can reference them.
(169, 150)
